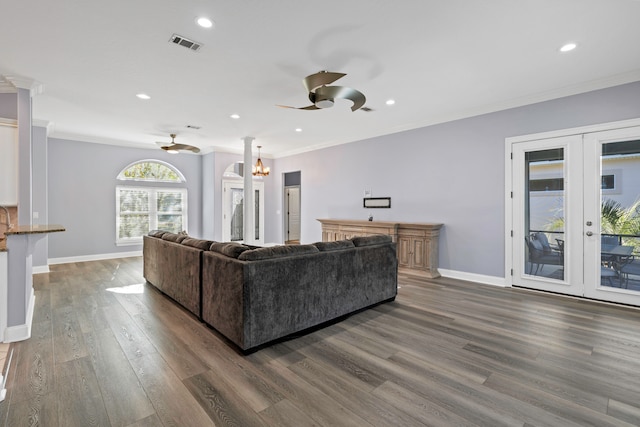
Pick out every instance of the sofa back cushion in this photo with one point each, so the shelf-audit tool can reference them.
(157, 233)
(173, 237)
(197, 243)
(232, 250)
(277, 252)
(334, 246)
(376, 239)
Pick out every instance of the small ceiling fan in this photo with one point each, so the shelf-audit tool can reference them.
(323, 96)
(176, 148)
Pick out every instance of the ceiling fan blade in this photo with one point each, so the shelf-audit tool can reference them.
(310, 107)
(320, 79)
(181, 147)
(332, 92)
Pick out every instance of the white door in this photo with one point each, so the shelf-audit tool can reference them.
(576, 214)
(233, 211)
(544, 243)
(292, 209)
(612, 198)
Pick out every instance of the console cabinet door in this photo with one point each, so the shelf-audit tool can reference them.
(404, 252)
(8, 165)
(413, 252)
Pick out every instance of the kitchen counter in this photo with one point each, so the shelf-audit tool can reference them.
(29, 229)
(34, 229)
(17, 297)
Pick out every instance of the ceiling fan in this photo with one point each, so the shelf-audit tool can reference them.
(176, 148)
(323, 96)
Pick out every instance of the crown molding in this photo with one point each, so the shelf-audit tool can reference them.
(50, 126)
(34, 87)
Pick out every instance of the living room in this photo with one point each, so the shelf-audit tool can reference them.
(446, 167)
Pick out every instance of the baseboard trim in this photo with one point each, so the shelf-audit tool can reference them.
(96, 257)
(22, 332)
(40, 269)
(472, 277)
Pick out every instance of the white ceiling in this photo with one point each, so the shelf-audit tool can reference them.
(439, 59)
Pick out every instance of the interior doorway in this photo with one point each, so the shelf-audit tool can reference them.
(292, 207)
(233, 207)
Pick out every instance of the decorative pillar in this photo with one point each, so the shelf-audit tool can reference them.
(248, 231)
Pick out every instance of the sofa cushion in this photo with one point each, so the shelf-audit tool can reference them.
(173, 237)
(197, 243)
(277, 252)
(334, 246)
(232, 250)
(376, 239)
(157, 233)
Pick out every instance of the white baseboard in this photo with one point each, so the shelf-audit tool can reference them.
(97, 257)
(22, 332)
(39, 269)
(472, 277)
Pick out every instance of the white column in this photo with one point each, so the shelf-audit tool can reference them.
(248, 213)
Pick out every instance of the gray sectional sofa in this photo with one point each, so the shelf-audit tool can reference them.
(254, 295)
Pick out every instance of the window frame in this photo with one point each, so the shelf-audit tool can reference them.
(152, 211)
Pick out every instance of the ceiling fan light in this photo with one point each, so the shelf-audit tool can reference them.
(172, 151)
(324, 103)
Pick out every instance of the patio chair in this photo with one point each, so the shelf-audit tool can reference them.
(628, 267)
(540, 254)
(607, 273)
(611, 241)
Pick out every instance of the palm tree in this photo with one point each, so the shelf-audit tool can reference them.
(614, 220)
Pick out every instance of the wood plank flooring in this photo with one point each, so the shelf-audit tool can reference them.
(108, 350)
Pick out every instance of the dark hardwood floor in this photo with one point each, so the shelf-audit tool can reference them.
(107, 350)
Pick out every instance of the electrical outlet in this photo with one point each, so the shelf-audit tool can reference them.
(36, 215)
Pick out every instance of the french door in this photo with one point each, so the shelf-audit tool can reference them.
(233, 212)
(576, 214)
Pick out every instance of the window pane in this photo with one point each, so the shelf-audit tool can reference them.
(237, 220)
(132, 226)
(169, 201)
(134, 201)
(150, 171)
(171, 223)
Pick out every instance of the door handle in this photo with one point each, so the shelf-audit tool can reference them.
(589, 233)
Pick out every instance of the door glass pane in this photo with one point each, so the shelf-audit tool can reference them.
(544, 213)
(620, 215)
(237, 197)
(256, 199)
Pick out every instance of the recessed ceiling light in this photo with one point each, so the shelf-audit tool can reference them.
(390, 102)
(204, 22)
(298, 130)
(568, 47)
(234, 116)
(143, 96)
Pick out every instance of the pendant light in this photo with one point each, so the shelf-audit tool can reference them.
(259, 169)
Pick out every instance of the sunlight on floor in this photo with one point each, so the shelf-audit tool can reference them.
(130, 289)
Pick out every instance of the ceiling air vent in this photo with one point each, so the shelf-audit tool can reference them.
(183, 41)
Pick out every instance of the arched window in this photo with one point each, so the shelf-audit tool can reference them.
(142, 205)
(151, 170)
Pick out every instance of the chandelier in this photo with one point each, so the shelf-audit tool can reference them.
(259, 169)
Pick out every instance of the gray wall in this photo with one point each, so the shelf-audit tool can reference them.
(81, 186)
(451, 173)
(9, 106)
(208, 196)
(39, 191)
